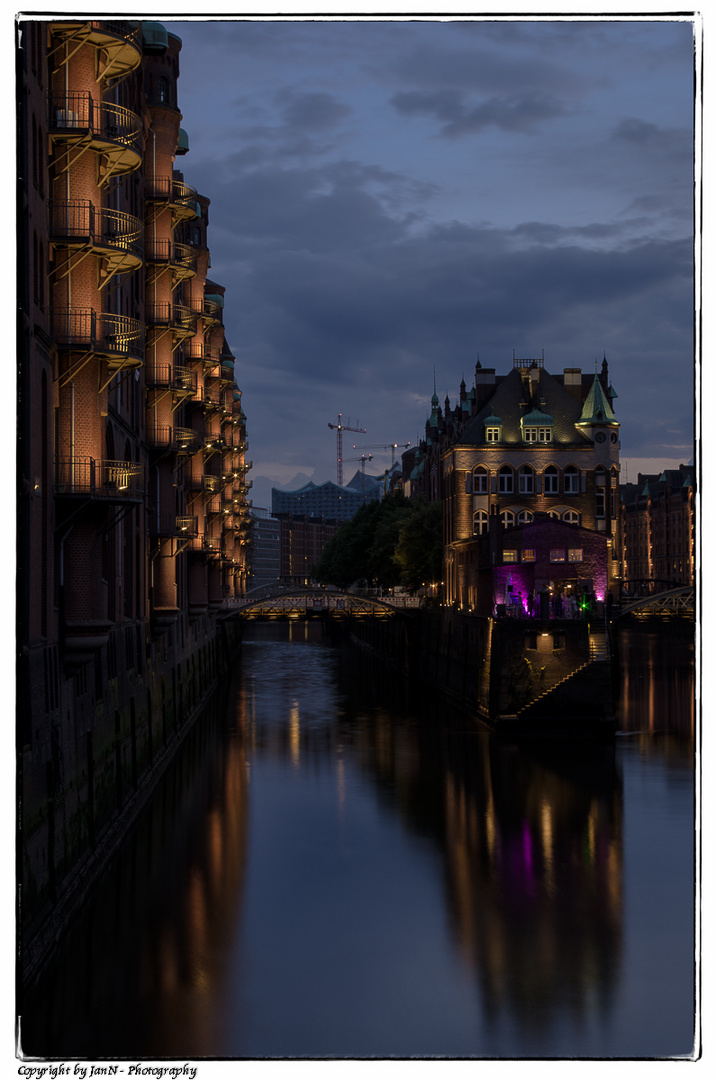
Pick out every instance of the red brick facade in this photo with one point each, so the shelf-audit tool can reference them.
(134, 510)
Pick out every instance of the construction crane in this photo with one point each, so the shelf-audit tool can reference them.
(363, 458)
(339, 428)
(393, 446)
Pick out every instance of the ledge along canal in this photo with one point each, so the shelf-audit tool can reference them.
(336, 864)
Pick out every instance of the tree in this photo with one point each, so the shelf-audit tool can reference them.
(419, 551)
(385, 543)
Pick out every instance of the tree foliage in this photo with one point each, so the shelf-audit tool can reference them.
(386, 543)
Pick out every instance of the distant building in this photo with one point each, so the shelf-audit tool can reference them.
(265, 554)
(326, 500)
(302, 539)
(658, 529)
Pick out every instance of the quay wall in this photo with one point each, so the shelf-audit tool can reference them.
(103, 738)
(494, 668)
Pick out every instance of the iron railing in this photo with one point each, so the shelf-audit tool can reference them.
(78, 113)
(168, 189)
(179, 256)
(169, 525)
(81, 221)
(111, 480)
(97, 331)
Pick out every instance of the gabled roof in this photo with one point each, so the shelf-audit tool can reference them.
(510, 402)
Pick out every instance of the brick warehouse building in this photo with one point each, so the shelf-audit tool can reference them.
(133, 509)
(517, 445)
(658, 529)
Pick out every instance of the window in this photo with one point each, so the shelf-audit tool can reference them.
(526, 480)
(528, 554)
(524, 517)
(556, 555)
(480, 480)
(492, 434)
(507, 518)
(574, 555)
(479, 523)
(571, 480)
(600, 504)
(551, 481)
(537, 434)
(506, 481)
(163, 86)
(571, 517)
(509, 556)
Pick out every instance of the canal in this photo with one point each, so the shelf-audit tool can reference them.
(336, 865)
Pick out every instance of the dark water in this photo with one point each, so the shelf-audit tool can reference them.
(338, 866)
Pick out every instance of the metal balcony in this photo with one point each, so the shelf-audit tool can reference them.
(179, 257)
(118, 44)
(195, 351)
(110, 481)
(180, 319)
(175, 193)
(168, 525)
(78, 122)
(115, 338)
(213, 310)
(110, 234)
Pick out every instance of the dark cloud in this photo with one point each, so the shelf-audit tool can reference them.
(512, 113)
(349, 246)
(311, 111)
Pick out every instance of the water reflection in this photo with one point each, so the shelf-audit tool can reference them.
(340, 865)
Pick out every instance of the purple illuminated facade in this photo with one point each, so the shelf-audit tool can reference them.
(543, 569)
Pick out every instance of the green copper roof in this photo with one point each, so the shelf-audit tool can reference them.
(537, 417)
(155, 35)
(182, 142)
(597, 409)
(492, 420)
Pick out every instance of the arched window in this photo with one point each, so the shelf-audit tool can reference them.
(506, 480)
(526, 480)
(551, 480)
(480, 480)
(507, 518)
(571, 480)
(479, 523)
(571, 517)
(524, 517)
(163, 86)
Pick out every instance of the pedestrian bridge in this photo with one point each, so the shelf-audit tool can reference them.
(672, 604)
(316, 603)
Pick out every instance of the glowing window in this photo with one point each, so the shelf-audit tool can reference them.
(556, 555)
(479, 523)
(492, 434)
(509, 556)
(528, 554)
(575, 555)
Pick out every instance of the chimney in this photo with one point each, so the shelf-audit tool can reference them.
(573, 382)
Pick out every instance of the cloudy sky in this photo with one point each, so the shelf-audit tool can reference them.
(392, 198)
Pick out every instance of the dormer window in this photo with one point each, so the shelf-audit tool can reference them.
(537, 427)
(493, 429)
